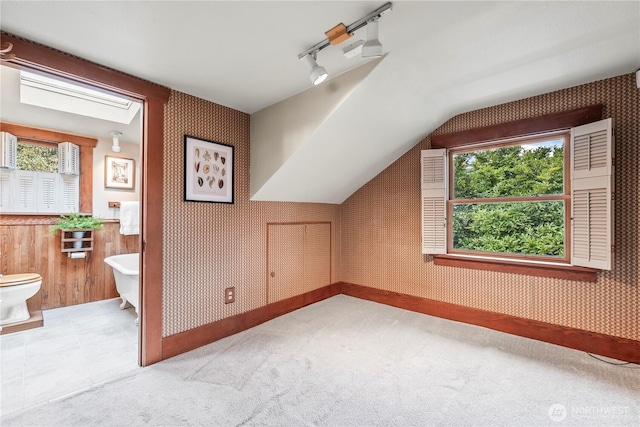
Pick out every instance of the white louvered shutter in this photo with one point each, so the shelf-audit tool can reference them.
(9, 151)
(69, 190)
(68, 158)
(434, 201)
(25, 199)
(592, 192)
(5, 192)
(47, 192)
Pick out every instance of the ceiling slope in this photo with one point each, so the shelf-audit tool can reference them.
(281, 132)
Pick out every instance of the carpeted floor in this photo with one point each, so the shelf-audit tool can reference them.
(349, 362)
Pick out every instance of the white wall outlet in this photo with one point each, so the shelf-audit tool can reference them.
(229, 295)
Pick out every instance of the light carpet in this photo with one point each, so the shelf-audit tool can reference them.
(350, 362)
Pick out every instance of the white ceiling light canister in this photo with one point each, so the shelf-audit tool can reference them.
(116, 141)
(317, 73)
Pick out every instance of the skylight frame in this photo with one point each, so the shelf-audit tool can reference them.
(65, 96)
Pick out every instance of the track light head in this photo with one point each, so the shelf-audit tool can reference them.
(317, 73)
(372, 48)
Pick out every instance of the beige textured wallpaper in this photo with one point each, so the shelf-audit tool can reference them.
(211, 246)
(381, 228)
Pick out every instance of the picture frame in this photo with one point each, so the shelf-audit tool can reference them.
(208, 171)
(119, 173)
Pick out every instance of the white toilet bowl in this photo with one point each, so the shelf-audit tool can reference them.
(15, 290)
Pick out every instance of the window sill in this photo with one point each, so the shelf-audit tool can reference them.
(558, 271)
(35, 219)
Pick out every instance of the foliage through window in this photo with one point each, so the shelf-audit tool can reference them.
(37, 158)
(510, 198)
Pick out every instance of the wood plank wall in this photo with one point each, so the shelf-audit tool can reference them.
(31, 248)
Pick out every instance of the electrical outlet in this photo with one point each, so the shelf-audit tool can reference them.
(229, 295)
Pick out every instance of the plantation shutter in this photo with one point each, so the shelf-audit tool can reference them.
(592, 192)
(8, 150)
(434, 198)
(68, 158)
(5, 191)
(47, 186)
(25, 191)
(69, 189)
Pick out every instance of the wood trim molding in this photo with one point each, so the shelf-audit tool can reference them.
(578, 339)
(43, 59)
(38, 57)
(566, 272)
(47, 135)
(194, 338)
(35, 321)
(548, 123)
(152, 232)
(28, 219)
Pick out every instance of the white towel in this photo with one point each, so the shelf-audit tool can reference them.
(129, 218)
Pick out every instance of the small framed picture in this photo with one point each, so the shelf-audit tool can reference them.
(208, 171)
(119, 173)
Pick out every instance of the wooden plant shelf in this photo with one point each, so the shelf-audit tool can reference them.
(67, 240)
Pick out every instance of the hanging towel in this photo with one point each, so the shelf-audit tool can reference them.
(129, 218)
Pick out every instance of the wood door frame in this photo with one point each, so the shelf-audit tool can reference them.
(43, 59)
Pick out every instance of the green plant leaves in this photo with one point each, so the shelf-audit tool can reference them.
(77, 221)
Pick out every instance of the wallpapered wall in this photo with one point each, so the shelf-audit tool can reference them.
(381, 228)
(211, 246)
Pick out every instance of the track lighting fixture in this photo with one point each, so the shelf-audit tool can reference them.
(372, 48)
(317, 73)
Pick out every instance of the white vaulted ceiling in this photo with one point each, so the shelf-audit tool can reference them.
(443, 58)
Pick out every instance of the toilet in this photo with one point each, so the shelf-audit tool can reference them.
(15, 290)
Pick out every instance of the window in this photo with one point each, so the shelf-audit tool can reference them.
(510, 199)
(41, 182)
(543, 199)
(63, 95)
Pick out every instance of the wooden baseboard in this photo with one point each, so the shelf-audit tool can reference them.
(592, 342)
(35, 321)
(205, 334)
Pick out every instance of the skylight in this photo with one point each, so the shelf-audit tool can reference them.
(47, 92)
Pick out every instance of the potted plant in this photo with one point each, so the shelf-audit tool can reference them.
(79, 222)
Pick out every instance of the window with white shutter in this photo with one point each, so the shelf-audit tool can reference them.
(39, 185)
(434, 197)
(592, 189)
(570, 195)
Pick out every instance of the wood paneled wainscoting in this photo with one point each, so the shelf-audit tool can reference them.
(27, 246)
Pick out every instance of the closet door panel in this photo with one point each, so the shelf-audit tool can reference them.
(286, 261)
(317, 256)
